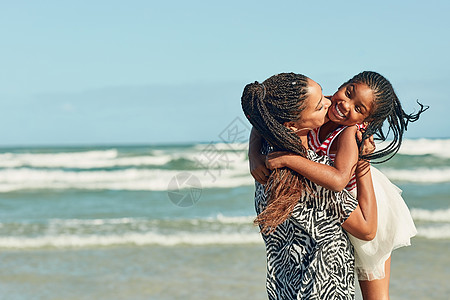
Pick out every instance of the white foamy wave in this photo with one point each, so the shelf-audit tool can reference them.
(222, 146)
(93, 222)
(128, 179)
(420, 175)
(159, 239)
(112, 158)
(441, 215)
(81, 160)
(233, 220)
(434, 232)
(219, 218)
(55, 159)
(422, 147)
(138, 239)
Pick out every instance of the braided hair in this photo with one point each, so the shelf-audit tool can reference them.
(268, 105)
(386, 107)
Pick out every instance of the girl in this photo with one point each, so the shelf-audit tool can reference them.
(365, 100)
(309, 255)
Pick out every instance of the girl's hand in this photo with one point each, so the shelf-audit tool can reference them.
(258, 167)
(369, 144)
(277, 160)
(363, 166)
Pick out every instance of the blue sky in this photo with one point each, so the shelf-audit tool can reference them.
(106, 72)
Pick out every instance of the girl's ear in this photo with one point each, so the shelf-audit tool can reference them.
(365, 124)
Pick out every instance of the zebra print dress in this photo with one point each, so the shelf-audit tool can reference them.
(309, 256)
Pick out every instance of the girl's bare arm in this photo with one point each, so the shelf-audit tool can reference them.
(362, 222)
(331, 177)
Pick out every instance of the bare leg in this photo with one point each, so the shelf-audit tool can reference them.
(377, 289)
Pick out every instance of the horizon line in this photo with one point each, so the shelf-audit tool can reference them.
(143, 144)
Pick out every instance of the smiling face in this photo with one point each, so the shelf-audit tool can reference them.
(351, 104)
(314, 113)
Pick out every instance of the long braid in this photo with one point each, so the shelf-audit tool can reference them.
(387, 106)
(268, 106)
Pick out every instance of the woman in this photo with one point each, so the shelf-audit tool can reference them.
(309, 255)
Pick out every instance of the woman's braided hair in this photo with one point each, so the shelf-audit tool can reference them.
(268, 106)
(386, 107)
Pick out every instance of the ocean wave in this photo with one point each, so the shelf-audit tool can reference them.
(218, 153)
(81, 160)
(222, 147)
(138, 239)
(76, 233)
(419, 175)
(70, 233)
(113, 158)
(440, 215)
(56, 159)
(94, 222)
(422, 147)
(218, 223)
(128, 179)
(219, 218)
(214, 230)
(418, 214)
(434, 232)
(232, 219)
(163, 239)
(133, 179)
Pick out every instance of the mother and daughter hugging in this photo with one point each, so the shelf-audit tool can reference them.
(324, 212)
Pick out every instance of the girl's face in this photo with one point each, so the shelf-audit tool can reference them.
(315, 110)
(351, 104)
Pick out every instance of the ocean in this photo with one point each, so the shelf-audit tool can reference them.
(175, 222)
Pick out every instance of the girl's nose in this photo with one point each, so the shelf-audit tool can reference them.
(346, 105)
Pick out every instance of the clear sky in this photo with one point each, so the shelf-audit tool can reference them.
(105, 72)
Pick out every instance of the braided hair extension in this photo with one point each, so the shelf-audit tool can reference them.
(387, 106)
(268, 106)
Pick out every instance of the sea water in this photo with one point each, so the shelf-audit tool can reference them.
(175, 222)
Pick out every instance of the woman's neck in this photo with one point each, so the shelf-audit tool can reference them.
(304, 139)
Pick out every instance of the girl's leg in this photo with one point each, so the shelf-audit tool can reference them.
(377, 289)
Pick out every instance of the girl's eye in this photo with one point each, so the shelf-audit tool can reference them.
(347, 93)
(357, 109)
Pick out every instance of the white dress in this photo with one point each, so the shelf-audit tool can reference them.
(395, 224)
(395, 229)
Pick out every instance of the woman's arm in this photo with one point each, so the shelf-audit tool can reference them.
(256, 159)
(362, 222)
(335, 177)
